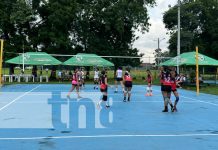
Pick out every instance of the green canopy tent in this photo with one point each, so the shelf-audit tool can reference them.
(82, 59)
(34, 58)
(189, 59)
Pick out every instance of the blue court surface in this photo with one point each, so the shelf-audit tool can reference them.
(41, 117)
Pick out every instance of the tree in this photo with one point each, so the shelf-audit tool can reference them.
(71, 26)
(198, 26)
(160, 56)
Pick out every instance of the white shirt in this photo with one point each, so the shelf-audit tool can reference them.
(119, 73)
(96, 74)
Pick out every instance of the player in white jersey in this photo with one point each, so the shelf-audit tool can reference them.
(96, 78)
(119, 78)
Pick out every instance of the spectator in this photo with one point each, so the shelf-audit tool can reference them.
(180, 80)
(59, 75)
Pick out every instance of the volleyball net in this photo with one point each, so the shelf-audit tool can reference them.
(23, 67)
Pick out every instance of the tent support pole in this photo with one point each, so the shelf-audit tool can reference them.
(197, 71)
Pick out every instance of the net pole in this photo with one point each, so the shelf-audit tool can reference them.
(1, 60)
(197, 72)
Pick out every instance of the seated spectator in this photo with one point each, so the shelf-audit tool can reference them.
(180, 80)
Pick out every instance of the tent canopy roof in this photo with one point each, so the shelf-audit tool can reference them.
(189, 58)
(83, 59)
(34, 58)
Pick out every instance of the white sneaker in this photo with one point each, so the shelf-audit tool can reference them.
(98, 105)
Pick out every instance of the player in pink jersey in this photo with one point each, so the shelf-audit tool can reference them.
(75, 84)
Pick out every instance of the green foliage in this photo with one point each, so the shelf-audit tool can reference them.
(70, 26)
(198, 26)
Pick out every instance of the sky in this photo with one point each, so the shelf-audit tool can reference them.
(147, 42)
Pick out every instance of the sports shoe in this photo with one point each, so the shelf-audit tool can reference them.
(98, 105)
(146, 94)
(175, 109)
(165, 110)
(151, 94)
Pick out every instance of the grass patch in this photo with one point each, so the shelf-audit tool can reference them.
(211, 89)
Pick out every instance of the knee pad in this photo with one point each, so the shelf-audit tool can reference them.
(104, 98)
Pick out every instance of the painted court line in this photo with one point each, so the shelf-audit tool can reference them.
(18, 98)
(200, 101)
(109, 136)
(61, 101)
(194, 99)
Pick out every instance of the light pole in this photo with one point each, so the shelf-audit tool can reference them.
(178, 37)
(158, 42)
(158, 48)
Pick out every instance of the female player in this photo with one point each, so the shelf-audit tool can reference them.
(119, 78)
(103, 89)
(128, 85)
(166, 88)
(174, 90)
(82, 78)
(149, 80)
(96, 78)
(75, 84)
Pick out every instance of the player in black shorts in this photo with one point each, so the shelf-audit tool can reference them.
(103, 89)
(166, 88)
(128, 85)
(174, 90)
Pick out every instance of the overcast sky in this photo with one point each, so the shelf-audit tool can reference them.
(147, 42)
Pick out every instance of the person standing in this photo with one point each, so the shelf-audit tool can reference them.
(75, 84)
(166, 88)
(103, 89)
(128, 86)
(149, 81)
(119, 78)
(174, 90)
(96, 78)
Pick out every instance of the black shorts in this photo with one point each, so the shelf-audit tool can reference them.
(119, 79)
(166, 88)
(103, 90)
(162, 87)
(128, 84)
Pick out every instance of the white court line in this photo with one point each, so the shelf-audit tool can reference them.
(18, 98)
(40, 102)
(194, 99)
(200, 101)
(109, 136)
